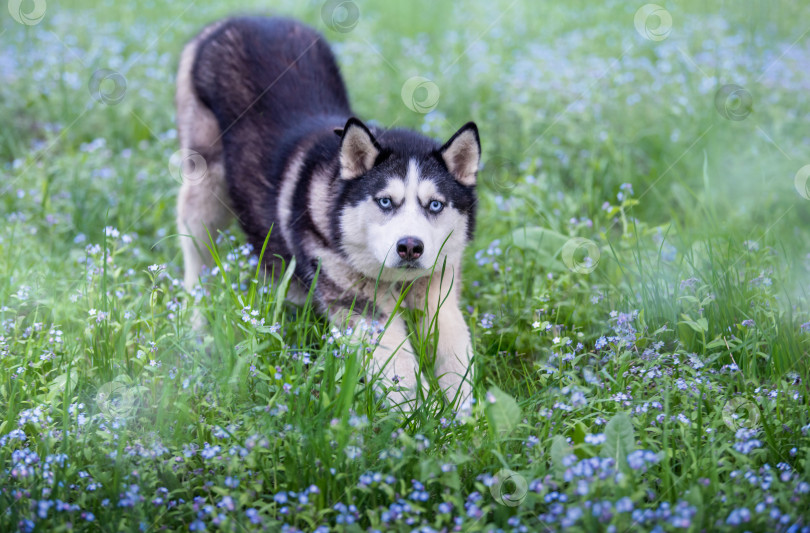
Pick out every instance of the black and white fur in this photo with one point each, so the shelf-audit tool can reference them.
(263, 102)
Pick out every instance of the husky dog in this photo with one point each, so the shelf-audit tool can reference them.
(368, 214)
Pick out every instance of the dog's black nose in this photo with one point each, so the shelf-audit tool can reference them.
(410, 248)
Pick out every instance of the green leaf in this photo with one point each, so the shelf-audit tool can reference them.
(283, 287)
(719, 342)
(503, 413)
(451, 479)
(580, 431)
(429, 468)
(61, 382)
(700, 325)
(807, 464)
(695, 496)
(559, 451)
(459, 458)
(619, 438)
(350, 380)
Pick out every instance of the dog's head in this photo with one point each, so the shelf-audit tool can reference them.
(406, 203)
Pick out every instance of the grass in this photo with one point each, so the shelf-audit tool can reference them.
(651, 375)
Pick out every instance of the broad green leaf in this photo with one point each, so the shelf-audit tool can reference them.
(62, 382)
(559, 451)
(719, 342)
(580, 431)
(502, 411)
(695, 496)
(283, 287)
(701, 325)
(428, 468)
(620, 438)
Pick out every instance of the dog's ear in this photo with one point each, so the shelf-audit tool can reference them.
(358, 150)
(462, 154)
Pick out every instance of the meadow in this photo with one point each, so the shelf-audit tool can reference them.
(637, 288)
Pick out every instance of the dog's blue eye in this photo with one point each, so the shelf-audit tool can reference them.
(436, 206)
(385, 203)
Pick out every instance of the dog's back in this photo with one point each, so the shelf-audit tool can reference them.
(280, 70)
(250, 92)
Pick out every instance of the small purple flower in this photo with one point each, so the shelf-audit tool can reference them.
(639, 459)
(209, 452)
(595, 439)
(578, 399)
(253, 516)
(624, 505)
(227, 503)
(738, 516)
(487, 321)
(746, 443)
